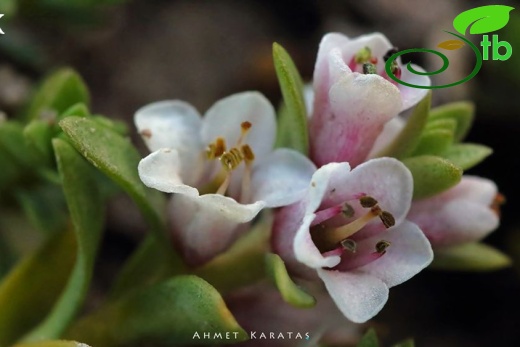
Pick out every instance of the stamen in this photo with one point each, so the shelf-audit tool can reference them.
(499, 200)
(387, 218)
(348, 210)
(390, 53)
(350, 245)
(245, 126)
(216, 149)
(230, 160)
(363, 55)
(381, 246)
(247, 153)
(323, 215)
(369, 69)
(224, 186)
(367, 201)
(146, 133)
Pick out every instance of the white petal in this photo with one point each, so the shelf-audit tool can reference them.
(282, 177)
(385, 179)
(408, 254)
(207, 225)
(359, 296)
(224, 118)
(173, 124)
(305, 250)
(409, 95)
(477, 189)
(160, 170)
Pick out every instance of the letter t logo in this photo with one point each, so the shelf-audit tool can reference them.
(1, 32)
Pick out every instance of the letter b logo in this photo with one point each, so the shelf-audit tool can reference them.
(497, 48)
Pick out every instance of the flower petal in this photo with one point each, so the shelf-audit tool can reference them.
(305, 250)
(412, 96)
(385, 179)
(346, 129)
(204, 226)
(359, 296)
(225, 116)
(173, 124)
(281, 178)
(387, 136)
(459, 215)
(160, 170)
(408, 254)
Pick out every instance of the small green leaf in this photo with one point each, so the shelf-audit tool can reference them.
(483, 19)
(462, 112)
(432, 175)
(444, 124)
(466, 155)
(292, 123)
(86, 210)
(78, 110)
(117, 158)
(38, 134)
(407, 140)
(406, 343)
(57, 93)
(28, 292)
(451, 45)
(168, 313)
(435, 141)
(117, 126)
(55, 343)
(291, 293)
(470, 257)
(12, 141)
(369, 339)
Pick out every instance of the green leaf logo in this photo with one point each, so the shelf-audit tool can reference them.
(482, 20)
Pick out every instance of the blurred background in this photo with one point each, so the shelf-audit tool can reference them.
(134, 52)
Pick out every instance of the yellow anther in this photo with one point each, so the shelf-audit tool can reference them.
(381, 246)
(247, 153)
(231, 159)
(216, 149)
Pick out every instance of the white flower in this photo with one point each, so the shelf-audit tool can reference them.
(221, 167)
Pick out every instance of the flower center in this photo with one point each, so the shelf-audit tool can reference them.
(328, 239)
(231, 159)
(364, 61)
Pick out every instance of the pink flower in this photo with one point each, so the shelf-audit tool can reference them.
(459, 215)
(354, 98)
(350, 230)
(221, 168)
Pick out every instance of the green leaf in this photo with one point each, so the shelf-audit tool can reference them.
(57, 93)
(409, 137)
(432, 175)
(168, 313)
(79, 110)
(462, 112)
(291, 293)
(443, 123)
(86, 209)
(406, 343)
(292, 123)
(28, 292)
(369, 339)
(466, 155)
(483, 19)
(470, 257)
(12, 141)
(117, 126)
(55, 343)
(38, 134)
(117, 158)
(435, 141)
(44, 216)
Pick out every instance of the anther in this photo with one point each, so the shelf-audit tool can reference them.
(387, 218)
(216, 149)
(246, 125)
(363, 55)
(367, 201)
(390, 53)
(350, 245)
(230, 160)
(347, 210)
(247, 153)
(381, 246)
(369, 69)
